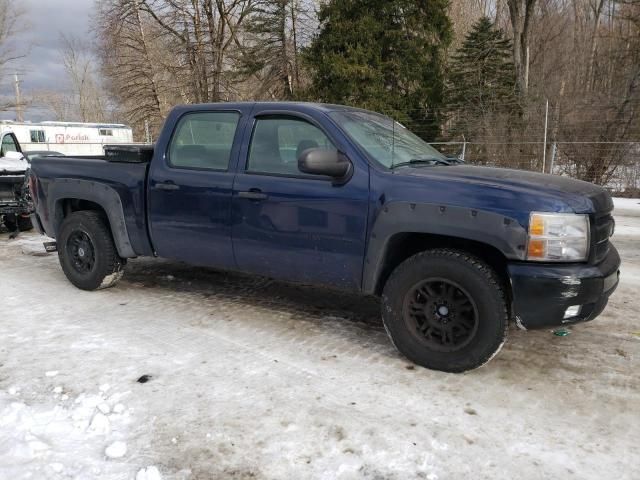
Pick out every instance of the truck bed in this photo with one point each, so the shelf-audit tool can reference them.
(127, 180)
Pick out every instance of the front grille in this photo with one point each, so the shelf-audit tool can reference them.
(601, 229)
(7, 192)
(10, 186)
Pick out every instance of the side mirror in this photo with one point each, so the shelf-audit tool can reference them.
(330, 163)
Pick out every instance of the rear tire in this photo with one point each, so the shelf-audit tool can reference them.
(87, 253)
(445, 310)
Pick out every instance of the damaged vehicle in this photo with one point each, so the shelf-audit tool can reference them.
(15, 203)
(344, 198)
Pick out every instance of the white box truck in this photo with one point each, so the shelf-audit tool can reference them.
(69, 138)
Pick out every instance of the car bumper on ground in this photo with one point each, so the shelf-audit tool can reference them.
(549, 295)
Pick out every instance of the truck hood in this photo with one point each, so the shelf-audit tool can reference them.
(12, 166)
(579, 196)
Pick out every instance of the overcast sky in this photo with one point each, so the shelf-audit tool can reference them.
(39, 38)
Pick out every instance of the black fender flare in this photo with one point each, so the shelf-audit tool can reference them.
(98, 193)
(499, 231)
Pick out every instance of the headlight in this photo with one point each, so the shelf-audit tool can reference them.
(558, 237)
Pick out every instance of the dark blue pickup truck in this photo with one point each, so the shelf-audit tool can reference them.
(345, 198)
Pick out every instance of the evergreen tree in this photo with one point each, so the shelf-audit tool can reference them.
(482, 76)
(384, 55)
(271, 53)
(482, 95)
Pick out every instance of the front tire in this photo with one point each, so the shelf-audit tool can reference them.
(445, 310)
(87, 253)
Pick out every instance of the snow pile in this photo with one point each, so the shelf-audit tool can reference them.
(149, 473)
(628, 207)
(13, 165)
(30, 244)
(116, 450)
(64, 438)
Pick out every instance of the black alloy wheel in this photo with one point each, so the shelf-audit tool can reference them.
(441, 314)
(81, 251)
(87, 252)
(446, 309)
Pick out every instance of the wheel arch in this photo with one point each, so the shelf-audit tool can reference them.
(404, 229)
(67, 196)
(402, 246)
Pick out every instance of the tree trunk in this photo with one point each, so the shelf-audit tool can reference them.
(597, 12)
(145, 51)
(284, 42)
(521, 13)
(294, 32)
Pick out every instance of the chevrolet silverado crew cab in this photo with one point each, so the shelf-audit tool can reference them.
(345, 198)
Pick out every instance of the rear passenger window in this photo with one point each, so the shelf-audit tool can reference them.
(204, 140)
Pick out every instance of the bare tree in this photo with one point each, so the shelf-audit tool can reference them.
(135, 66)
(201, 33)
(521, 13)
(156, 53)
(62, 105)
(274, 32)
(10, 16)
(464, 13)
(89, 98)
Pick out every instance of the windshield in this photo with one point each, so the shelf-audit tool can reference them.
(385, 140)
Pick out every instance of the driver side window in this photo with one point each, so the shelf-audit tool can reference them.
(8, 145)
(277, 143)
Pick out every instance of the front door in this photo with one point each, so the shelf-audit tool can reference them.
(293, 226)
(9, 144)
(189, 193)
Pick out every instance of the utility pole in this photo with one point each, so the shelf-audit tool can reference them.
(147, 132)
(554, 151)
(19, 116)
(546, 126)
(464, 148)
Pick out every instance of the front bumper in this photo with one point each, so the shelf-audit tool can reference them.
(543, 292)
(13, 208)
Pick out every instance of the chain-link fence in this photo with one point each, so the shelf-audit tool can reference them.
(620, 161)
(597, 141)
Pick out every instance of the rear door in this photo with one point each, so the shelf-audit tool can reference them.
(293, 226)
(189, 188)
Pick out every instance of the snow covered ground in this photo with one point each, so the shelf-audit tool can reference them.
(253, 379)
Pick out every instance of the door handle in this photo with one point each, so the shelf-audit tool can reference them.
(167, 186)
(253, 194)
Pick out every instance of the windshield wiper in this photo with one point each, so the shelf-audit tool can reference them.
(422, 161)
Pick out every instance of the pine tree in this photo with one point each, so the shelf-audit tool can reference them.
(482, 94)
(272, 53)
(482, 76)
(384, 55)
